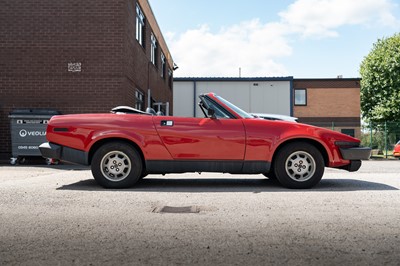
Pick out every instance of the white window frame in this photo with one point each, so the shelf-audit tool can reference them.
(140, 19)
(153, 49)
(162, 65)
(139, 100)
(170, 78)
(300, 99)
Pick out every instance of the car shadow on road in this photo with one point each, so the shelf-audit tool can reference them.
(200, 185)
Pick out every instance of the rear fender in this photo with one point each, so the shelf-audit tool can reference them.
(149, 142)
(114, 134)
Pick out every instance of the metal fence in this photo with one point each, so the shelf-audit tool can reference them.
(381, 137)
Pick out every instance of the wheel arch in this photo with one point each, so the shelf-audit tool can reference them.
(315, 143)
(101, 142)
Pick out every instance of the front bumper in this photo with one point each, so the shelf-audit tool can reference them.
(352, 166)
(62, 153)
(356, 153)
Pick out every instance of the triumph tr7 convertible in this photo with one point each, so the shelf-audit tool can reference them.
(125, 145)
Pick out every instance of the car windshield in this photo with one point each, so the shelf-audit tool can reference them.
(236, 109)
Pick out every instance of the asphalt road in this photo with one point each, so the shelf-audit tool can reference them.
(59, 216)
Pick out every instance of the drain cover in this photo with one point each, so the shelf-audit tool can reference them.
(171, 209)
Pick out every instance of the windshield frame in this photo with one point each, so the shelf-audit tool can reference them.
(234, 111)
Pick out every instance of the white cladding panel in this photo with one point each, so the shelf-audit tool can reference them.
(270, 97)
(235, 92)
(183, 99)
(252, 96)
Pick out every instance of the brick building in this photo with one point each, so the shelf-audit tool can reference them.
(330, 103)
(80, 56)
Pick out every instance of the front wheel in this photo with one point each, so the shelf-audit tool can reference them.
(116, 165)
(299, 165)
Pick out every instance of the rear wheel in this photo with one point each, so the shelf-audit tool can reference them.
(270, 175)
(116, 165)
(299, 165)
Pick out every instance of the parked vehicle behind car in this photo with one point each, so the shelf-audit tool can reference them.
(396, 150)
(124, 146)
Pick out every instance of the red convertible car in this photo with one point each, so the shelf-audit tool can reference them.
(396, 150)
(125, 145)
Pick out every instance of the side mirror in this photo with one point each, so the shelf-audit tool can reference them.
(211, 113)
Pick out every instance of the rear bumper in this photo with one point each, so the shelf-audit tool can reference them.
(62, 153)
(356, 153)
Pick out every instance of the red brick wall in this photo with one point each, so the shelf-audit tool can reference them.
(331, 103)
(137, 63)
(39, 38)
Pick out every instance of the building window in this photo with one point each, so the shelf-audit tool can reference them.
(139, 104)
(170, 78)
(139, 25)
(300, 97)
(162, 65)
(153, 49)
(348, 131)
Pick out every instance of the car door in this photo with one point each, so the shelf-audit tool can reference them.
(202, 138)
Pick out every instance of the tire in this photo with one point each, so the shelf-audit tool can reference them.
(143, 175)
(13, 161)
(299, 165)
(116, 165)
(270, 175)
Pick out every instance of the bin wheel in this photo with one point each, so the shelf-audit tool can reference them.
(13, 161)
(50, 161)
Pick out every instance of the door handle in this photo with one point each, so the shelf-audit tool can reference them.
(167, 123)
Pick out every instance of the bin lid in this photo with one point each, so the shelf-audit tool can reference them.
(32, 113)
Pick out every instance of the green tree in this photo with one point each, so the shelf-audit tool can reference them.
(380, 84)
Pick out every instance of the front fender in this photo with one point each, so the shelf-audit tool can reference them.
(322, 146)
(323, 138)
(264, 138)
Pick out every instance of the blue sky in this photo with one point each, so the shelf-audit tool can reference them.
(300, 38)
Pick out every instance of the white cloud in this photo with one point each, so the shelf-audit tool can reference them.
(251, 46)
(256, 48)
(321, 18)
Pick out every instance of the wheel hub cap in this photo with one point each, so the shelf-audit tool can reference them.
(116, 166)
(300, 166)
